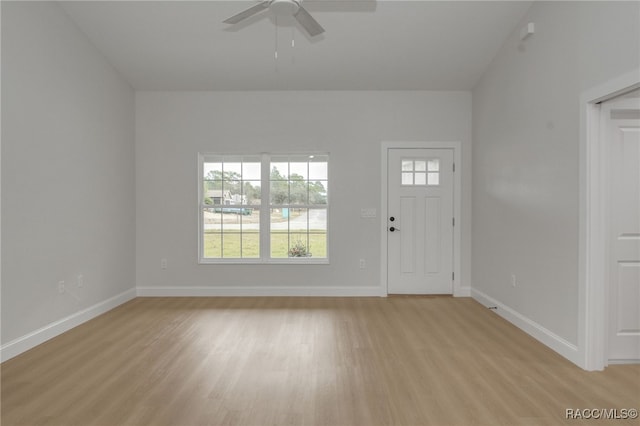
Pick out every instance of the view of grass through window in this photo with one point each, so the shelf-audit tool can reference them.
(234, 215)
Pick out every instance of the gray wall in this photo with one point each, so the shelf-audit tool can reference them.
(172, 127)
(68, 194)
(526, 126)
(77, 198)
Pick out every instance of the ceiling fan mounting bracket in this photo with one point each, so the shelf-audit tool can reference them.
(284, 7)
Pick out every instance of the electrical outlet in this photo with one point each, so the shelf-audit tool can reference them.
(163, 263)
(61, 287)
(514, 280)
(363, 263)
(80, 281)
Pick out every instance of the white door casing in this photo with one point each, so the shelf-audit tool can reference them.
(621, 133)
(420, 221)
(591, 352)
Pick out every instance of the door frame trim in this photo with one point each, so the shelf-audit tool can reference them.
(457, 203)
(592, 252)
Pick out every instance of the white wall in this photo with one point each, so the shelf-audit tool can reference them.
(526, 127)
(172, 127)
(68, 195)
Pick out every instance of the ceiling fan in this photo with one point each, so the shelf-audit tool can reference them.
(282, 8)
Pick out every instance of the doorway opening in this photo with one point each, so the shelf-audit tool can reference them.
(595, 220)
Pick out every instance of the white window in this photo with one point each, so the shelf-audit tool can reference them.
(420, 172)
(263, 208)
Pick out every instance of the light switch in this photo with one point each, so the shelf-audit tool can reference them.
(368, 212)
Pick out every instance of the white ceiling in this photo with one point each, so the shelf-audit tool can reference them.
(368, 45)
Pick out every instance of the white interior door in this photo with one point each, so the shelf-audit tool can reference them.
(622, 127)
(420, 221)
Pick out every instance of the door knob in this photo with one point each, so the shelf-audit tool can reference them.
(393, 229)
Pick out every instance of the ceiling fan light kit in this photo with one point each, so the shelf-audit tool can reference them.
(281, 8)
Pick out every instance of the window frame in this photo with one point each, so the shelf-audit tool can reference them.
(265, 209)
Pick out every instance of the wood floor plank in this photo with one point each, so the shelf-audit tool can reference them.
(304, 361)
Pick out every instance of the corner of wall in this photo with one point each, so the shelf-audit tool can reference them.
(49, 331)
(532, 328)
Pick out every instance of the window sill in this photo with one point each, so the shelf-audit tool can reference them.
(279, 261)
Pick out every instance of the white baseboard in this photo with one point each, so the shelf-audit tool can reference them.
(623, 361)
(260, 291)
(532, 328)
(49, 331)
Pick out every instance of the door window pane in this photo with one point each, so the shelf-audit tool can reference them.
(420, 172)
(407, 178)
(420, 165)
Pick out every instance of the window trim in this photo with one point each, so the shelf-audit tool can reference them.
(265, 208)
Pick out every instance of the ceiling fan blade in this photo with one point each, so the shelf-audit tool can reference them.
(308, 23)
(247, 13)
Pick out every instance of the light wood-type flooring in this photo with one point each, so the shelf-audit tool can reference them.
(304, 361)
